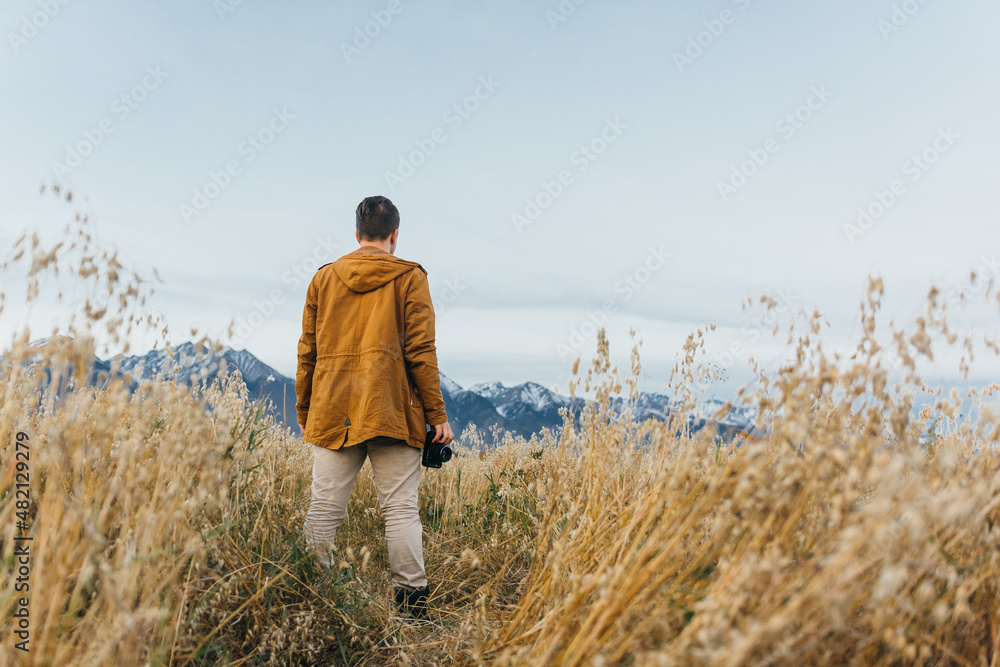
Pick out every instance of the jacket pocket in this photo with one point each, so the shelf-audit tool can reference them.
(414, 394)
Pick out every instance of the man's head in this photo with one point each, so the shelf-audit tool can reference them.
(377, 223)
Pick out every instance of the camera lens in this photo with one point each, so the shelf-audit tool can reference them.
(446, 453)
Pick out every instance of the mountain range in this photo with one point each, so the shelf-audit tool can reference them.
(523, 409)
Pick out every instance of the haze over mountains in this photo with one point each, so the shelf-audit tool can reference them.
(523, 409)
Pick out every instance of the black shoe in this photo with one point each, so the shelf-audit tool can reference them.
(414, 602)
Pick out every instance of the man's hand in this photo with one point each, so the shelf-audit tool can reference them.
(302, 427)
(442, 433)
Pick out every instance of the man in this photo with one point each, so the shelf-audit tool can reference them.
(366, 385)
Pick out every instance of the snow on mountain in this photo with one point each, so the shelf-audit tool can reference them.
(449, 385)
(527, 408)
(648, 406)
(738, 416)
(523, 409)
(252, 368)
(488, 389)
(529, 393)
(262, 381)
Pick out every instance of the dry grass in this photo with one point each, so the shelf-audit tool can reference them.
(168, 533)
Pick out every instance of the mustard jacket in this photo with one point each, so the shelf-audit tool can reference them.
(367, 363)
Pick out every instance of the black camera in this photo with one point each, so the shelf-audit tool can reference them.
(434, 453)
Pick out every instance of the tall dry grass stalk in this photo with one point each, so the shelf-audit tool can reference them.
(841, 537)
(166, 524)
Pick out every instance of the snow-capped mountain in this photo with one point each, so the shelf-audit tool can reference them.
(649, 405)
(523, 409)
(527, 408)
(737, 416)
(261, 380)
(187, 364)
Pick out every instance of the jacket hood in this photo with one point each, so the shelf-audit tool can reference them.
(369, 268)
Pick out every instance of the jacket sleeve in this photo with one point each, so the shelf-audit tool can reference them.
(419, 350)
(307, 355)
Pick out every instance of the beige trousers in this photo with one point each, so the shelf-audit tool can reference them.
(396, 468)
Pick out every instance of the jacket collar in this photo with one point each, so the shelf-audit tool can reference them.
(370, 250)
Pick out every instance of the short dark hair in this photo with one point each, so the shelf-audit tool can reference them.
(377, 218)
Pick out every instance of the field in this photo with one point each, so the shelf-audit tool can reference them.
(851, 532)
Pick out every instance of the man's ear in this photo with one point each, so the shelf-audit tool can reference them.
(357, 236)
(394, 236)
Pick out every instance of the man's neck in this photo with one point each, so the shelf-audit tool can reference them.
(375, 244)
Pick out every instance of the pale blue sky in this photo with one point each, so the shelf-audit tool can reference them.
(510, 300)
